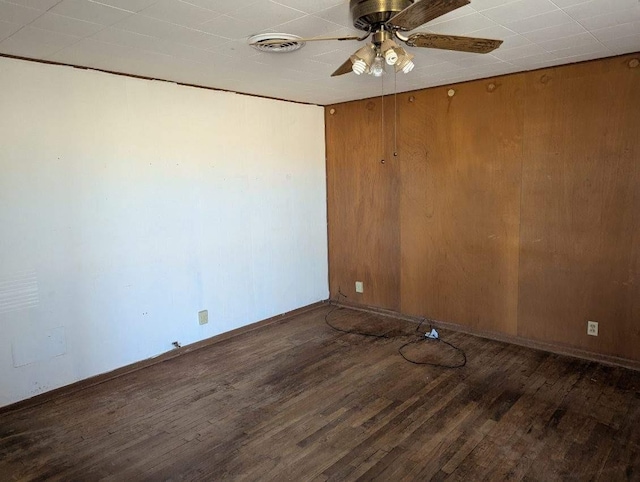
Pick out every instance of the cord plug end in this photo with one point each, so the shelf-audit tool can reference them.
(433, 334)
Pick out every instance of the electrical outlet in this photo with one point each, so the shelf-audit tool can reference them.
(359, 287)
(592, 328)
(203, 317)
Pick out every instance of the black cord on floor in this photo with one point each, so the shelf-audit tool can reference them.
(351, 332)
(422, 338)
(432, 340)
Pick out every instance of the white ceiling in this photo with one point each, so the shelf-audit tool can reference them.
(204, 42)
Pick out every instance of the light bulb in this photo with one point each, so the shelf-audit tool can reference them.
(359, 67)
(377, 68)
(389, 48)
(391, 57)
(409, 67)
(405, 61)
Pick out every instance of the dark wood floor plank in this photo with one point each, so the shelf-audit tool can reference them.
(296, 400)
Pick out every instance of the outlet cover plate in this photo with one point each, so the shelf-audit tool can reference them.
(203, 317)
(592, 328)
(359, 287)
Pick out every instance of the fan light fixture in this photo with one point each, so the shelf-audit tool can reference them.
(405, 62)
(363, 59)
(388, 48)
(377, 69)
(397, 56)
(370, 59)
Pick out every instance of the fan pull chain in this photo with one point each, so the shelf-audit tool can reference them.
(395, 114)
(382, 136)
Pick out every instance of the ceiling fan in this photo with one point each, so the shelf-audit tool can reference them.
(385, 21)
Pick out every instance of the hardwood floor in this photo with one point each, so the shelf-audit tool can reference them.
(298, 401)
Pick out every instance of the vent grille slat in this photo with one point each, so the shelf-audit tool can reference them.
(291, 43)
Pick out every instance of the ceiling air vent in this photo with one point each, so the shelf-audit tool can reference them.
(286, 42)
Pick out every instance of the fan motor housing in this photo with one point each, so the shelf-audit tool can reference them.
(370, 13)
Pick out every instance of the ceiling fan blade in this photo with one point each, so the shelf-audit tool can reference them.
(423, 11)
(303, 40)
(453, 42)
(344, 68)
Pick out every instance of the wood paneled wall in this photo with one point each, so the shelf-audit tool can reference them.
(362, 197)
(580, 221)
(512, 206)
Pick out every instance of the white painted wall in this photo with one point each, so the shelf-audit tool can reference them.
(126, 206)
